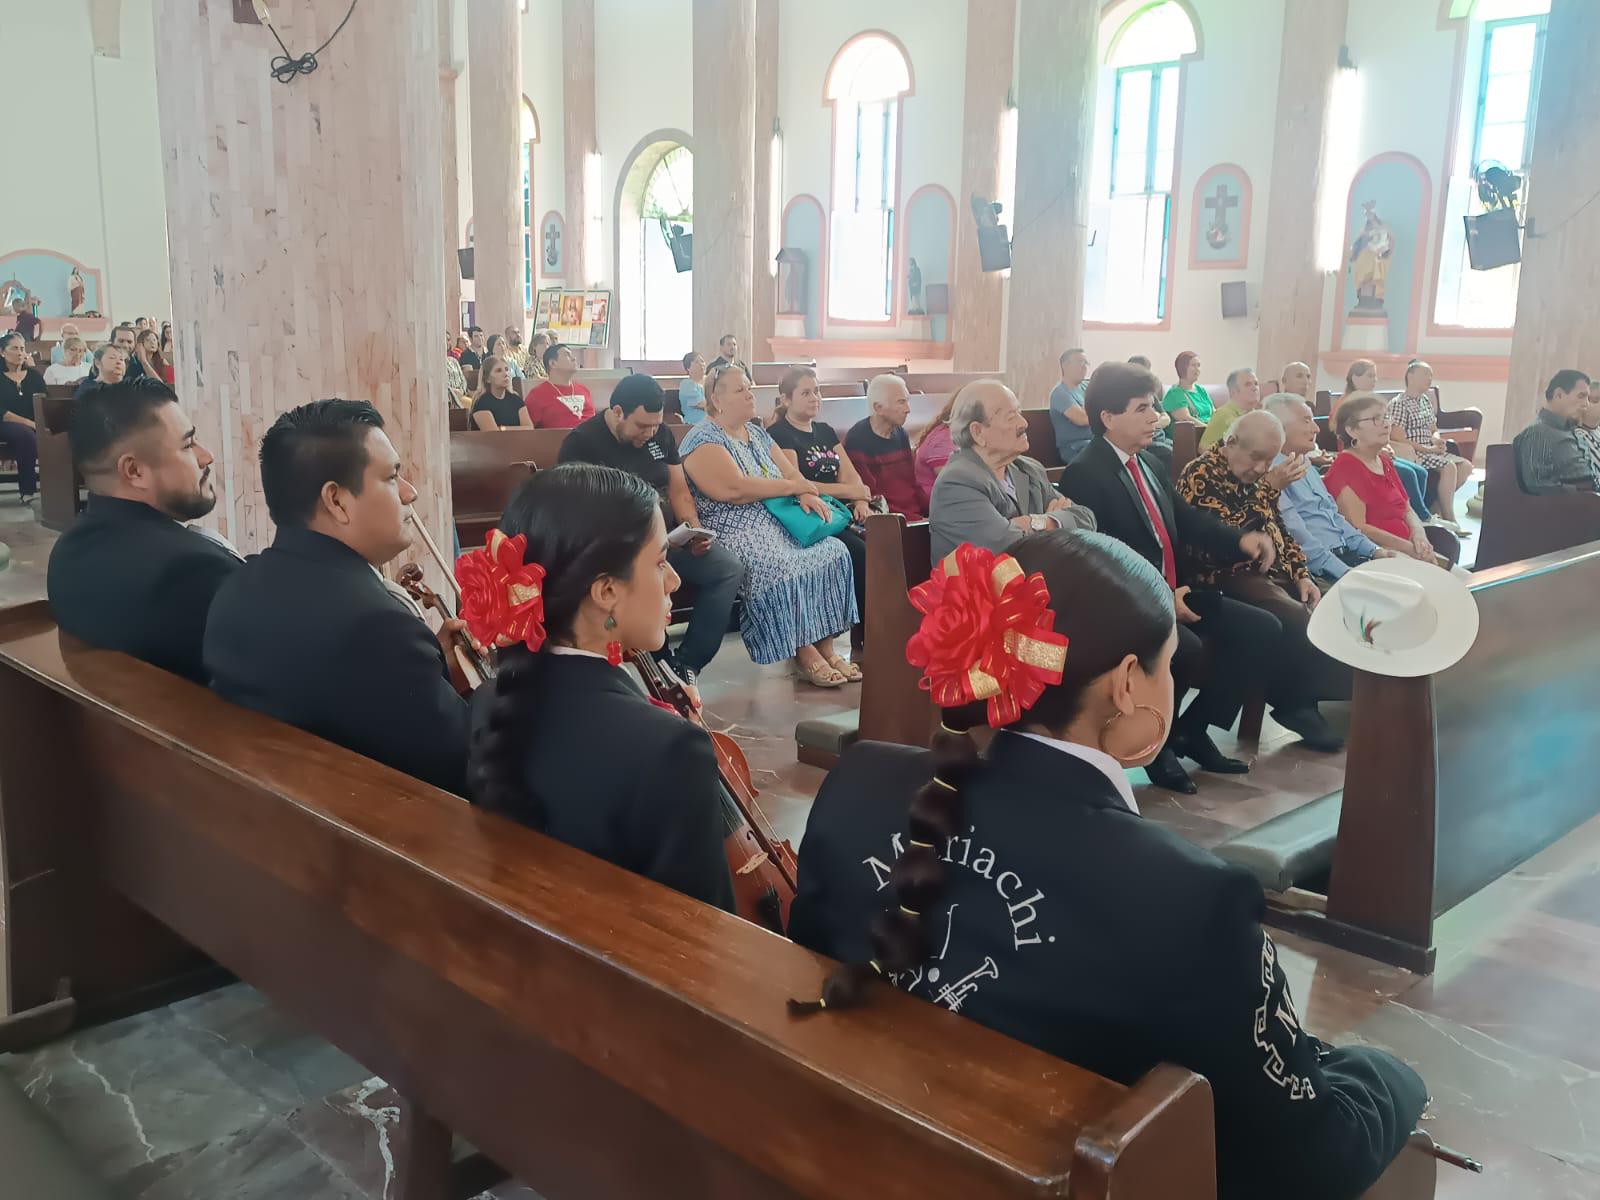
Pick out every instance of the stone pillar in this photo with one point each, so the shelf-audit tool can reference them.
(724, 170)
(494, 58)
(976, 295)
(1558, 310)
(764, 281)
(450, 156)
(1291, 285)
(1056, 73)
(304, 223)
(578, 123)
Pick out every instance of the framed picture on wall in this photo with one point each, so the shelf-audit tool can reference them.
(546, 309)
(571, 310)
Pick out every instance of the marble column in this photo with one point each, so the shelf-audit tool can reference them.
(305, 223)
(494, 58)
(724, 169)
(976, 295)
(578, 125)
(1291, 285)
(450, 155)
(764, 280)
(1056, 71)
(1558, 308)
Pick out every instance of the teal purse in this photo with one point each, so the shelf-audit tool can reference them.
(807, 528)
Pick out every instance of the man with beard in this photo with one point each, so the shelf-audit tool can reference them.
(130, 575)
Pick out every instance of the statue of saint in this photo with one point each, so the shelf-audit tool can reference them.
(75, 291)
(914, 291)
(1370, 255)
(792, 268)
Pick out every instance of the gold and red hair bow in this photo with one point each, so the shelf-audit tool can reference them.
(502, 597)
(987, 633)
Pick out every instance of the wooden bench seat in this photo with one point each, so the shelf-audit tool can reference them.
(59, 482)
(590, 1031)
(1291, 850)
(1517, 525)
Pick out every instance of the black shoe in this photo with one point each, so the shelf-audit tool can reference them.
(1197, 744)
(1167, 772)
(1314, 730)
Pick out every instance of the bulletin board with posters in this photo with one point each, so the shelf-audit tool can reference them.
(576, 318)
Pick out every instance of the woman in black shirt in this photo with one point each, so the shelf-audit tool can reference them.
(563, 740)
(496, 406)
(19, 384)
(814, 447)
(1027, 893)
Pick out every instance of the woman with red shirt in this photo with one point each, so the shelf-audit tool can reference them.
(559, 402)
(1365, 485)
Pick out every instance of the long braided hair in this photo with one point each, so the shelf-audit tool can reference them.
(1110, 603)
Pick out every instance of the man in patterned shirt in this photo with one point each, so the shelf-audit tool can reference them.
(1236, 482)
(1550, 455)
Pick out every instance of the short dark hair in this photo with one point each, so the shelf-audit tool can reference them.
(1354, 410)
(550, 352)
(688, 359)
(474, 328)
(1564, 381)
(639, 391)
(1113, 387)
(111, 413)
(1066, 354)
(727, 337)
(310, 446)
(1140, 360)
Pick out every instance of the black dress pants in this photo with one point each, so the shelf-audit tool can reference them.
(1301, 674)
(1222, 655)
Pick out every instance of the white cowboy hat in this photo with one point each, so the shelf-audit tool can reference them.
(1396, 616)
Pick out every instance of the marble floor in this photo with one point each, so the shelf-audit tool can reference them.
(221, 1096)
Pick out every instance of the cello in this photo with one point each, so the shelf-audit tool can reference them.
(763, 865)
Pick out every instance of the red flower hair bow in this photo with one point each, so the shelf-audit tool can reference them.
(502, 597)
(987, 633)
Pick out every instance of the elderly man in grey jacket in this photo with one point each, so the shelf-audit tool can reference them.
(990, 493)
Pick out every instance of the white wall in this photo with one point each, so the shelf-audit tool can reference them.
(56, 203)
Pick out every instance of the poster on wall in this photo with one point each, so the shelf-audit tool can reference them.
(597, 313)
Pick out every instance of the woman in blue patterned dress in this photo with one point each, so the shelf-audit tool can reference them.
(795, 600)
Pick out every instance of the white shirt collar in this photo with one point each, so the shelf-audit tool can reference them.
(572, 650)
(1098, 759)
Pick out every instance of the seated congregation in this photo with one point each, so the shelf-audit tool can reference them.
(1071, 615)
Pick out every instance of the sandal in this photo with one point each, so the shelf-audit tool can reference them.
(850, 671)
(817, 674)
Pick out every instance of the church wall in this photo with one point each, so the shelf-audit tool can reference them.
(63, 176)
(542, 84)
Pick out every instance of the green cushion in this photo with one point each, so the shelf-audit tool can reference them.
(829, 734)
(1294, 846)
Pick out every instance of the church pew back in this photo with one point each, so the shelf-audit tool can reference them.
(1518, 526)
(59, 482)
(592, 1032)
(1042, 437)
(946, 381)
(894, 708)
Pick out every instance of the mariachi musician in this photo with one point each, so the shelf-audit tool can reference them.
(573, 582)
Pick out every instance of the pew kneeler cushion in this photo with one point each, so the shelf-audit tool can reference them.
(36, 1158)
(1290, 848)
(821, 740)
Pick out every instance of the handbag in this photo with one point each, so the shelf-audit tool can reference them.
(804, 527)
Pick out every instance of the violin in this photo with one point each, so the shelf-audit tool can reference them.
(474, 667)
(763, 865)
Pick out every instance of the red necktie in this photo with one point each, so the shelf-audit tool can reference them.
(1169, 567)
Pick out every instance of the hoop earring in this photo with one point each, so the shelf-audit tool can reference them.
(1161, 734)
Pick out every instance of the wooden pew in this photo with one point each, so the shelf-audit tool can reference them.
(1185, 445)
(1454, 779)
(1042, 438)
(827, 374)
(651, 366)
(59, 481)
(894, 708)
(773, 372)
(460, 419)
(946, 381)
(1517, 525)
(1460, 427)
(590, 1031)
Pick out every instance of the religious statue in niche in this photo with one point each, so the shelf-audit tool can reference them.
(914, 291)
(793, 265)
(75, 291)
(1370, 256)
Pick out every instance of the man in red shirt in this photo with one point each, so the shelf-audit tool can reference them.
(558, 402)
(880, 449)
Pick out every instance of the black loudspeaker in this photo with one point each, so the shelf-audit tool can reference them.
(1493, 239)
(464, 257)
(994, 247)
(1234, 301)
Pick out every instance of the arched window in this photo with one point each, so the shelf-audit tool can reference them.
(864, 85)
(1133, 176)
(1499, 96)
(655, 222)
(530, 138)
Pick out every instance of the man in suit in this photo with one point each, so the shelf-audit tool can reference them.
(1133, 500)
(130, 575)
(307, 631)
(989, 493)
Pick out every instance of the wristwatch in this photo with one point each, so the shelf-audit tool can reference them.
(1038, 522)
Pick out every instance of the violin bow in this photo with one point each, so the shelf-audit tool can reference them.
(449, 573)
